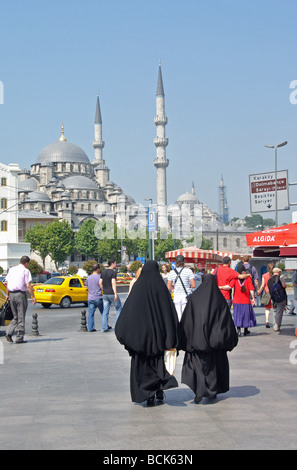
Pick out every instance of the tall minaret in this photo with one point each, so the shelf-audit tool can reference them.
(161, 162)
(101, 170)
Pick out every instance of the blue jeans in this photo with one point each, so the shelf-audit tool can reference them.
(92, 305)
(108, 300)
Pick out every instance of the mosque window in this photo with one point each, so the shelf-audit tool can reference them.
(4, 225)
(3, 181)
(4, 203)
(237, 242)
(225, 242)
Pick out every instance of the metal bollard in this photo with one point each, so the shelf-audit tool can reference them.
(83, 321)
(35, 331)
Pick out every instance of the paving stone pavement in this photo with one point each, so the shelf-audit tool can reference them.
(69, 390)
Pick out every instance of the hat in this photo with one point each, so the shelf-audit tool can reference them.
(180, 258)
(276, 270)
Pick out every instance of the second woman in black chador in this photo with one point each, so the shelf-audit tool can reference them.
(147, 326)
(206, 333)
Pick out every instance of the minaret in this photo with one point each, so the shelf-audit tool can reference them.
(101, 170)
(161, 162)
(224, 210)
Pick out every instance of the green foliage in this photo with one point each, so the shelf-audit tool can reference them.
(60, 242)
(85, 240)
(135, 265)
(38, 239)
(72, 270)
(88, 266)
(123, 268)
(1, 270)
(34, 267)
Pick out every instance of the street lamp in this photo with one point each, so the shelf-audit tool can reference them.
(151, 234)
(275, 147)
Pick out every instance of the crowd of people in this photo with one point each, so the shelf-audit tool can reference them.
(166, 312)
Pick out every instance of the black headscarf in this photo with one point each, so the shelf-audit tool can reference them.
(147, 324)
(206, 323)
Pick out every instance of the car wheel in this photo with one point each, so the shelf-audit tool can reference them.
(65, 302)
(46, 305)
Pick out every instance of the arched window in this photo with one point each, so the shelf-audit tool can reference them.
(3, 203)
(4, 225)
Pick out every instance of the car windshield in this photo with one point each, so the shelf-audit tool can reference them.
(57, 281)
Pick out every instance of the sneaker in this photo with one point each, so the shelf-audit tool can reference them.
(150, 401)
(21, 341)
(197, 399)
(9, 338)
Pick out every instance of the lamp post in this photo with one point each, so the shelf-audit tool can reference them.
(151, 234)
(275, 147)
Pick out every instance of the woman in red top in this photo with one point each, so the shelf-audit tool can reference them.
(243, 312)
(264, 286)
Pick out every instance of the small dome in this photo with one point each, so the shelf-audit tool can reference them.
(29, 184)
(35, 196)
(187, 198)
(79, 182)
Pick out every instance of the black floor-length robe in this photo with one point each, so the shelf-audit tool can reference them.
(206, 333)
(147, 326)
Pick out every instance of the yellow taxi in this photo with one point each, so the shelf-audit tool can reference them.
(123, 277)
(62, 290)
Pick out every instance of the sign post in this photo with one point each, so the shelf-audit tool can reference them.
(263, 195)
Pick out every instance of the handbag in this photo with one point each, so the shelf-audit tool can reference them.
(266, 299)
(170, 360)
(6, 314)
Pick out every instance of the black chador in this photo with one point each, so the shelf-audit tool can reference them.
(147, 326)
(206, 333)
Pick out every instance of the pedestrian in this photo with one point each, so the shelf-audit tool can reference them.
(264, 286)
(108, 286)
(294, 301)
(243, 303)
(137, 274)
(147, 327)
(206, 333)
(95, 299)
(164, 272)
(226, 276)
(18, 283)
(277, 289)
(181, 280)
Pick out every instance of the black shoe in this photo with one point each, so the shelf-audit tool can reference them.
(9, 338)
(150, 401)
(160, 395)
(21, 341)
(239, 331)
(92, 330)
(246, 332)
(197, 399)
(267, 325)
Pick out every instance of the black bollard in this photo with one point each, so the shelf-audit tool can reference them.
(35, 331)
(83, 321)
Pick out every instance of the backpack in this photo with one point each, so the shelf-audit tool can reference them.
(276, 290)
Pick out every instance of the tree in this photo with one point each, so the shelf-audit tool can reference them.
(34, 267)
(88, 266)
(85, 240)
(164, 245)
(37, 237)
(60, 240)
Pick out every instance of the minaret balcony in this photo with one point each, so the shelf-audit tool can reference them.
(161, 163)
(98, 144)
(161, 142)
(160, 120)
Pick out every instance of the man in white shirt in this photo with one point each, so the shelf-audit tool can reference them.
(182, 281)
(18, 282)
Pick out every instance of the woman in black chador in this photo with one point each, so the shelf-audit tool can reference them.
(206, 333)
(147, 326)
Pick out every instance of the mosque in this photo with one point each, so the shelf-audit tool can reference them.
(63, 183)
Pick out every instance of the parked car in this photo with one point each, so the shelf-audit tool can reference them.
(62, 290)
(3, 280)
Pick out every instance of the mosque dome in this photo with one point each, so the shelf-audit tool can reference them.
(62, 151)
(29, 184)
(81, 182)
(187, 197)
(36, 196)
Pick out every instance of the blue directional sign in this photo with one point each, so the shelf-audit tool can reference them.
(152, 219)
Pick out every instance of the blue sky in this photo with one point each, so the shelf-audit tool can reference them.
(227, 67)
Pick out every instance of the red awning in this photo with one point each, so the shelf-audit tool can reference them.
(193, 254)
(279, 236)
